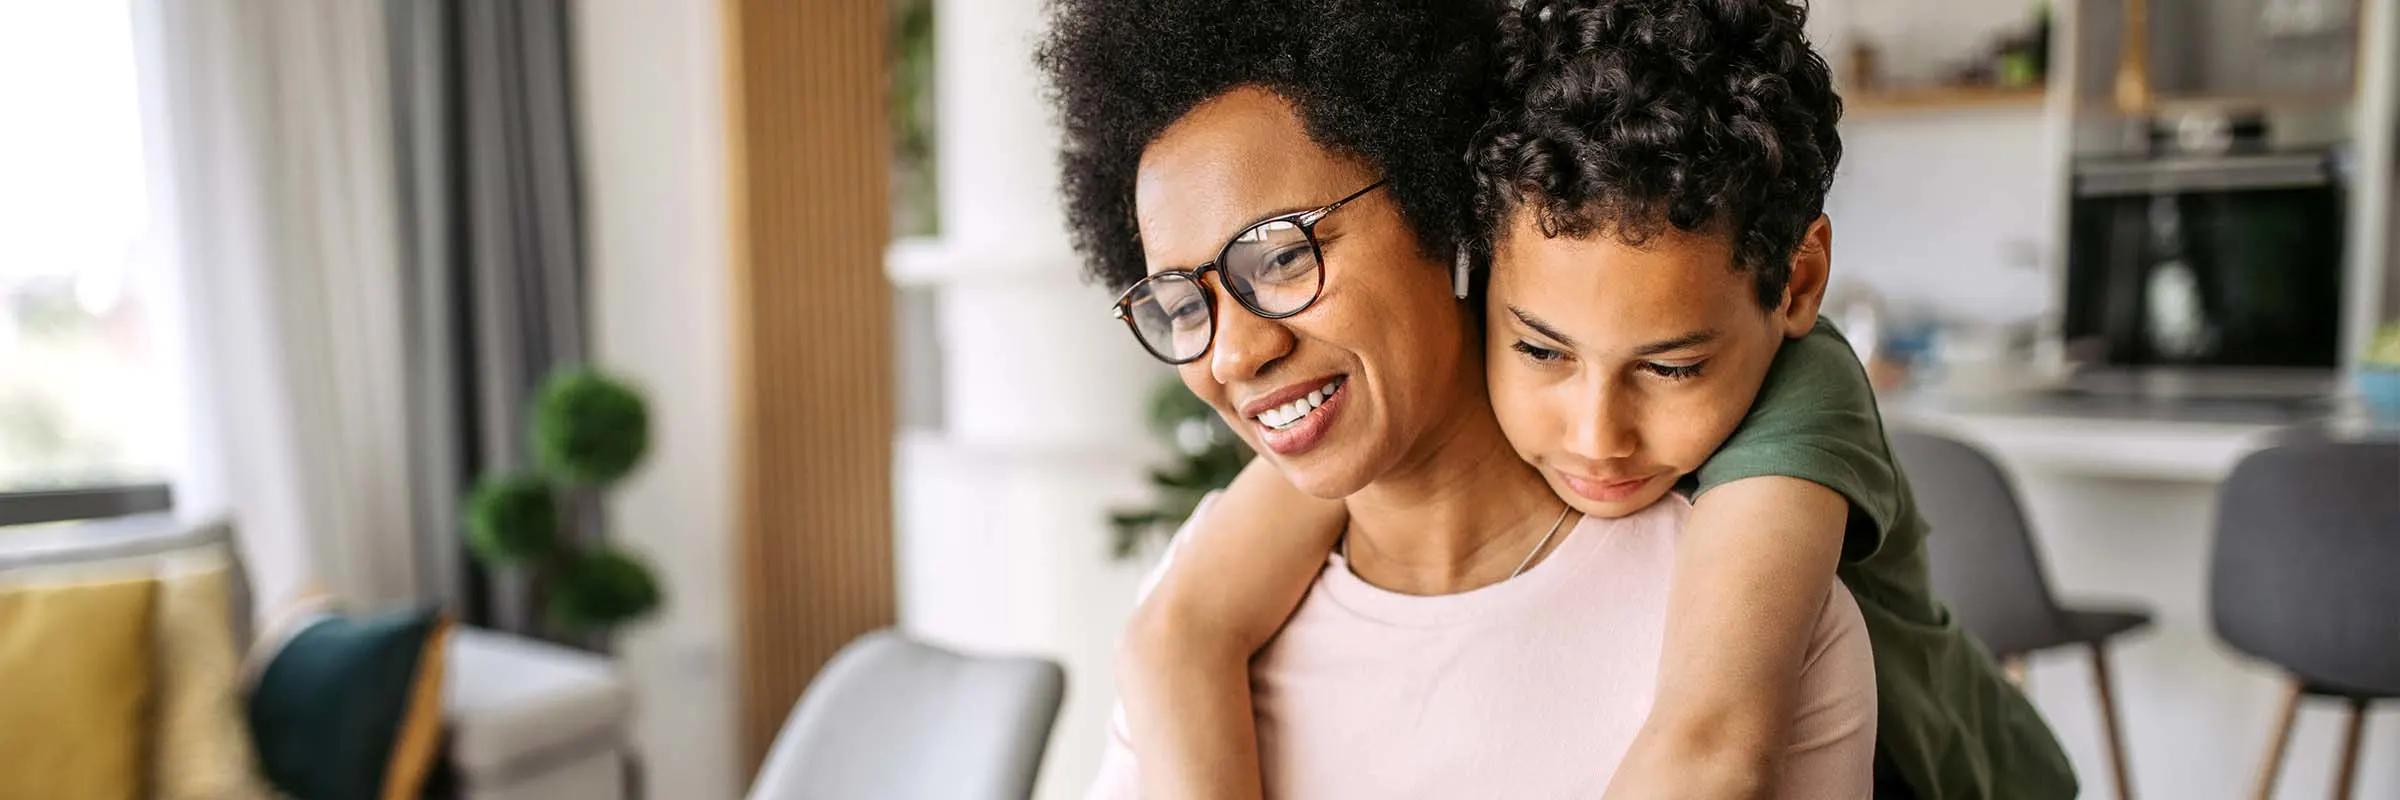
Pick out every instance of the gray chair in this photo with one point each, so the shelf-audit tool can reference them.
(891, 717)
(1986, 570)
(2305, 574)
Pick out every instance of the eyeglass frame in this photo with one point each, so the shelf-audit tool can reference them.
(1306, 221)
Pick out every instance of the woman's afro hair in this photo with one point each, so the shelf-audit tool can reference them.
(1402, 85)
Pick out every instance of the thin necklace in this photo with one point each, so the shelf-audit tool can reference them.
(1521, 565)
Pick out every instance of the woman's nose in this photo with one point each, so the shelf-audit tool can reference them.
(1246, 343)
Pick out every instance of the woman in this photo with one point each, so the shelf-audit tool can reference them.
(1640, 149)
(1295, 220)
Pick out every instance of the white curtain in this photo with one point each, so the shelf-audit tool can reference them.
(272, 152)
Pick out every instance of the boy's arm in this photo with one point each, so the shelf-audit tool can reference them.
(1184, 667)
(1752, 569)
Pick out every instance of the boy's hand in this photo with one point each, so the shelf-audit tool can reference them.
(1751, 573)
(1184, 667)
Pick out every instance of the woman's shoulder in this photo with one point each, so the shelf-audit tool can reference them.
(1638, 548)
(1837, 679)
(1663, 520)
(1841, 627)
(1832, 741)
(1673, 510)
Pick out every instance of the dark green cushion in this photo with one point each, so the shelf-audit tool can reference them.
(330, 710)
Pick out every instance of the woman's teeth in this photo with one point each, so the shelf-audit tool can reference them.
(1285, 416)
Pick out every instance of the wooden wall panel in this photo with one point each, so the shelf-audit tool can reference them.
(814, 385)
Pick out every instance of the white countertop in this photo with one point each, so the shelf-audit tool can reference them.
(2164, 446)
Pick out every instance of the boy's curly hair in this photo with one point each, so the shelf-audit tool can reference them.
(1620, 117)
(1400, 84)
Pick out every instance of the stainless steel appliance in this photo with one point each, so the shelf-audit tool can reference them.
(2213, 272)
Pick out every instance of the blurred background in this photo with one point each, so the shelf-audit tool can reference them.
(327, 286)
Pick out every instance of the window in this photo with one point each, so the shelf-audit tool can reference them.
(87, 413)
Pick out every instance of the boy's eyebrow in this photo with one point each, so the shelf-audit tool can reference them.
(1541, 327)
(1698, 337)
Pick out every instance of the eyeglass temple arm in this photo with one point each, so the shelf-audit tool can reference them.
(1311, 218)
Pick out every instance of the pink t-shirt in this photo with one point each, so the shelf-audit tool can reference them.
(1528, 688)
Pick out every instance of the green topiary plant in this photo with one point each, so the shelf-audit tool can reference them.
(602, 588)
(588, 428)
(513, 519)
(588, 431)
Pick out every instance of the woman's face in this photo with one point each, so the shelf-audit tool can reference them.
(1385, 351)
(1616, 370)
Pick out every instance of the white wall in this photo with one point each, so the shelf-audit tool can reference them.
(1003, 541)
(1949, 211)
(656, 211)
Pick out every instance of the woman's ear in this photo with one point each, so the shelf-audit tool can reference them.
(1804, 291)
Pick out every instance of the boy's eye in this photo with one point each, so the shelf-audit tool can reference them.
(1537, 352)
(1674, 372)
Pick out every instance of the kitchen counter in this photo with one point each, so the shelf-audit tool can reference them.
(2195, 440)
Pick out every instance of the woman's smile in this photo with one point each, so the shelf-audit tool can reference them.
(1295, 418)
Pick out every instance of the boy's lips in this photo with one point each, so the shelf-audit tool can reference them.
(1605, 489)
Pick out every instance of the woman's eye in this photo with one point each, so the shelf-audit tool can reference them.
(1537, 352)
(1290, 263)
(1675, 372)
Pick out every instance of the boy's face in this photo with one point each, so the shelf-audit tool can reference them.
(1616, 370)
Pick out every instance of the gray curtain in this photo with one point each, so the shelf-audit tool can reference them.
(482, 96)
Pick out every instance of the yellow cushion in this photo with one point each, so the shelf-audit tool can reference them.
(201, 746)
(77, 661)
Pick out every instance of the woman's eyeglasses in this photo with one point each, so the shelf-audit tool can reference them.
(1274, 268)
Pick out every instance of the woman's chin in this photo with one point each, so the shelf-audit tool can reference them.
(1319, 477)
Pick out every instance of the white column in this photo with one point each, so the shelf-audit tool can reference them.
(651, 101)
(2376, 126)
(1004, 542)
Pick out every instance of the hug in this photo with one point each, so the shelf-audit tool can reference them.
(1564, 489)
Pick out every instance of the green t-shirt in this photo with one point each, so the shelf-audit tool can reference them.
(1950, 724)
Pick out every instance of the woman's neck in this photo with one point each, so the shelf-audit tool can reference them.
(1461, 513)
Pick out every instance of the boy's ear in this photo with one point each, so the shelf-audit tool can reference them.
(1804, 292)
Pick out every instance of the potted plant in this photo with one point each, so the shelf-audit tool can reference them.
(1206, 456)
(2379, 373)
(589, 431)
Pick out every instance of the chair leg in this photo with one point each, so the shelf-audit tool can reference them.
(2282, 738)
(2108, 722)
(2355, 731)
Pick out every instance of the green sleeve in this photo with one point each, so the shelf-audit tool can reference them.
(1815, 419)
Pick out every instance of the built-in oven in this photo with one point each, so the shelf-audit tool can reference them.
(2224, 264)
